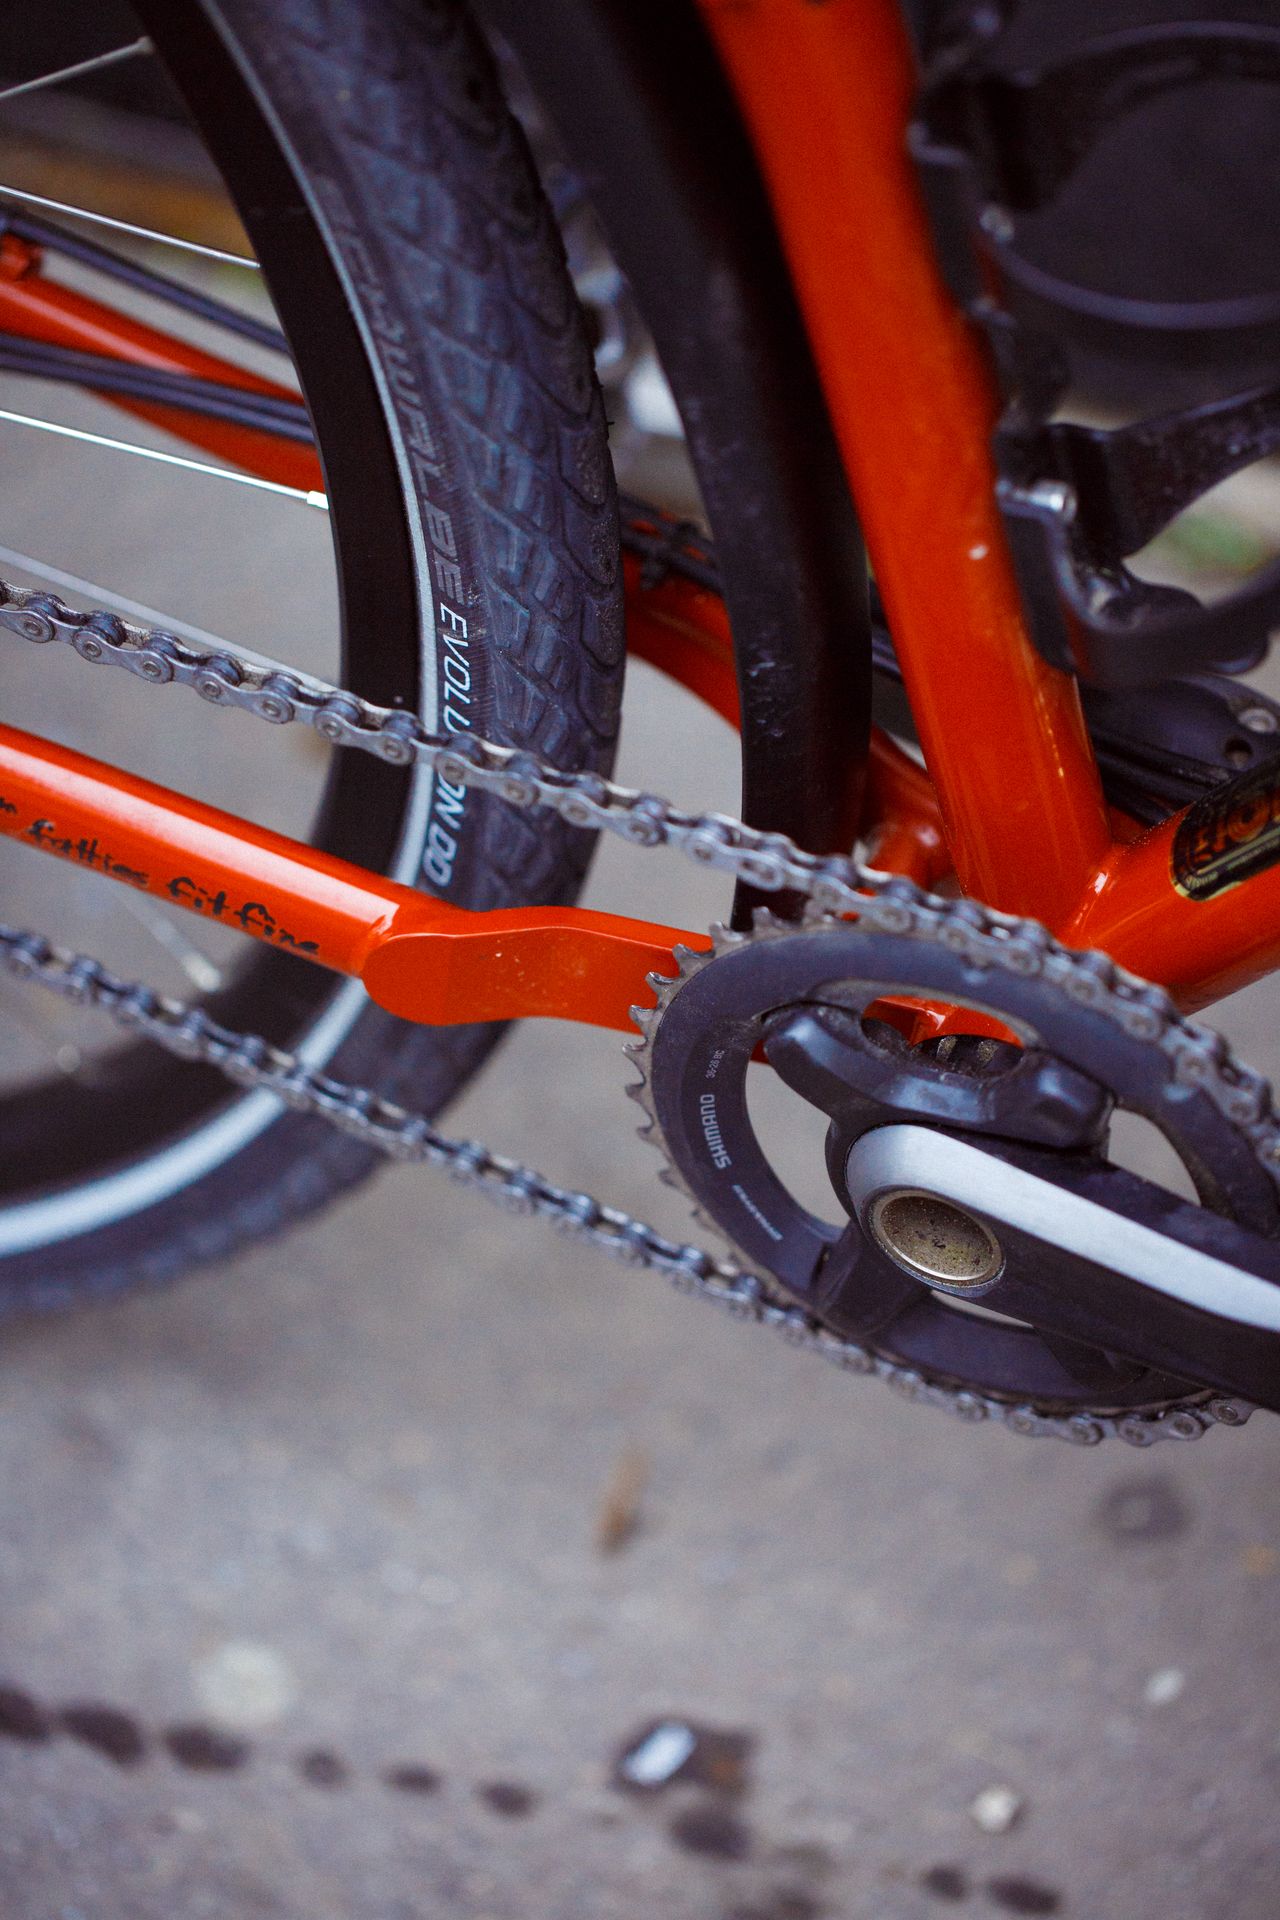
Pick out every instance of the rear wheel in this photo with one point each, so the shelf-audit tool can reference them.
(419, 279)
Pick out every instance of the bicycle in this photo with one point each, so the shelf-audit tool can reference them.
(970, 999)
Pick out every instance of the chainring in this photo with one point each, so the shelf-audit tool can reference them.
(715, 1015)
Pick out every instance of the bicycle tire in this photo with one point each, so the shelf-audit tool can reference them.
(419, 275)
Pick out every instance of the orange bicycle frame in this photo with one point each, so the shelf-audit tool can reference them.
(1011, 804)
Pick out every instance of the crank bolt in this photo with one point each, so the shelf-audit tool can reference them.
(935, 1241)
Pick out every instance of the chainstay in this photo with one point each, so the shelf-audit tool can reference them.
(830, 884)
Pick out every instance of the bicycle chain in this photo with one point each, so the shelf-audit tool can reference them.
(831, 884)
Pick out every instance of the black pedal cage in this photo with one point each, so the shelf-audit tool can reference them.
(1078, 501)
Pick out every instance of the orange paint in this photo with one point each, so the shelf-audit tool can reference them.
(37, 308)
(902, 823)
(1011, 801)
(826, 92)
(1198, 949)
(683, 630)
(418, 957)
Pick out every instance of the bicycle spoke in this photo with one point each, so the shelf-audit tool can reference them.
(310, 499)
(94, 65)
(127, 226)
(195, 963)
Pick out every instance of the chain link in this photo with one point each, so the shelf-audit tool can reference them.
(768, 861)
(831, 884)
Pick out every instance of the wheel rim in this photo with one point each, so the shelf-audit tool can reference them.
(166, 1128)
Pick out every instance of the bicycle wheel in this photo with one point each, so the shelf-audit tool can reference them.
(419, 279)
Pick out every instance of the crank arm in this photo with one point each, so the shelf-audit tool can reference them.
(419, 957)
(1081, 1268)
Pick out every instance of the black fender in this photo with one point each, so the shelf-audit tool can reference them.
(646, 119)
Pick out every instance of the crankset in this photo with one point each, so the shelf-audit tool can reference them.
(983, 1237)
(1096, 1304)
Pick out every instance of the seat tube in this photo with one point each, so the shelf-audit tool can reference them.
(827, 93)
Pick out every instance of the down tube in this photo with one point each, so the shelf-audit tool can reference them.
(827, 93)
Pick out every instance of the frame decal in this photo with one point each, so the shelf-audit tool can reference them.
(1229, 835)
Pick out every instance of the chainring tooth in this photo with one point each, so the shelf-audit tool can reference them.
(979, 940)
(829, 885)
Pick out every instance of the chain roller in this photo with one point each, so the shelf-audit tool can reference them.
(830, 884)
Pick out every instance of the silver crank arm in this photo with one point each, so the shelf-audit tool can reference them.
(916, 1161)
